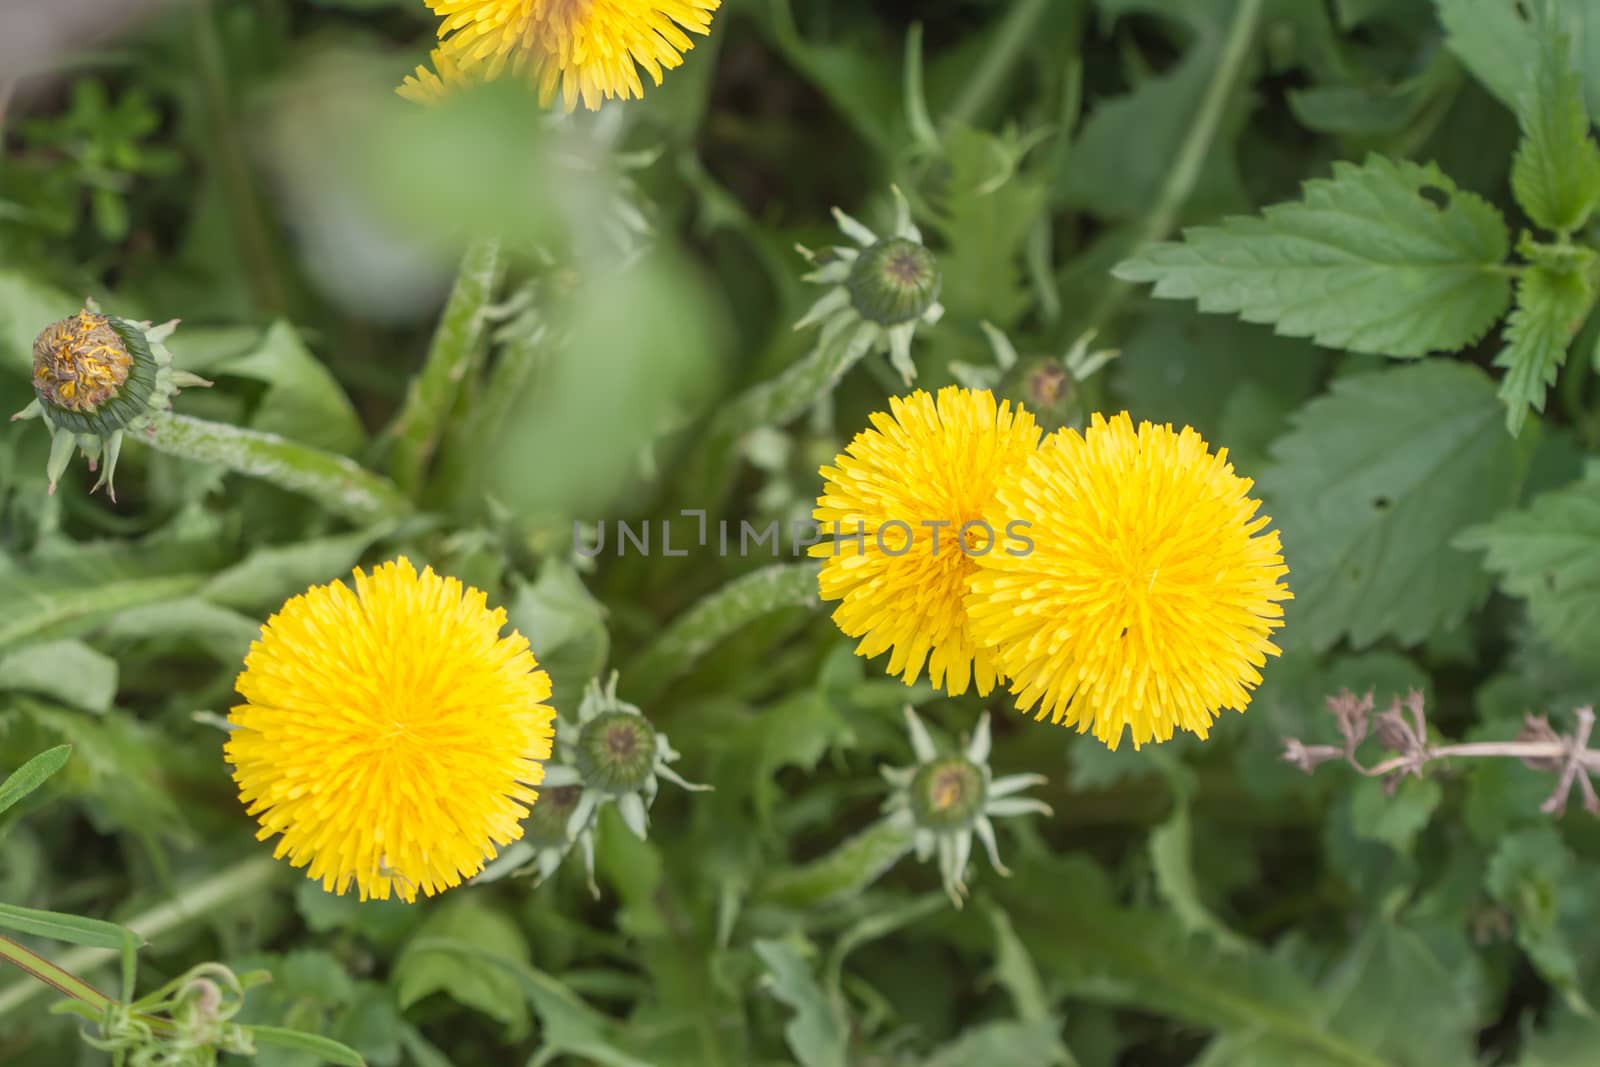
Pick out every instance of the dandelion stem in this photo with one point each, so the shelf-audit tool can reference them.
(1191, 157)
(190, 904)
(456, 351)
(336, 482)
(703, 626)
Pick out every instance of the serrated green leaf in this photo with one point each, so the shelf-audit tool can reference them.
(817, 1036)
(1396, 819)
(1171, 859)
(1370, 489)
(1551, 307)
(1389, 258)
(272, 573)
(1529, 875)
(1556, 171)
(1549, 555)
(32, 774)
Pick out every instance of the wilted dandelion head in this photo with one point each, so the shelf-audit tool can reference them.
(908, 497)
(588, 50)
(390, 733)
(1151, 590)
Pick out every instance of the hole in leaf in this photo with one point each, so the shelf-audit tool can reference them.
(1381, 503)
(1435, 196)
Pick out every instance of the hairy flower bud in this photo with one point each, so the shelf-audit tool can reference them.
(894, 282)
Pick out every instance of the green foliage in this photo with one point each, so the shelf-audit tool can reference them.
(1547, 553)
(1370, 488)
(1388, 257)
(473, 333)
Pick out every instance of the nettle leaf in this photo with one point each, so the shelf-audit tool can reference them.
(1551, 307)
(1556, 171)
(1370, 489)
(1549, 555)
(1389, 258)
(1530, 875)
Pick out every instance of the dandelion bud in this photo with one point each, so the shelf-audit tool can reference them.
(94, 377)
(894, 282)
(546, 824)
(617, 752)
(948, 794)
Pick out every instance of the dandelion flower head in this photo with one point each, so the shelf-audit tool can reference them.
(588, 50)
(389, 734)
(1147, 601)
(905, 506)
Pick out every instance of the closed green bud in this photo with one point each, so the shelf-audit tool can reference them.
(616, 752)
(948, 794)
(894, 282)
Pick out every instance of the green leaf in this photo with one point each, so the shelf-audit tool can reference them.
(1501, 46)
(68, 671)
(1529, 874)
(422, 969)
(1549, 555)
(1556, 171)
(31, 775)
(566, 627)
(270, 574)
(1171, 858)
(568, 1025)
(73, 929)
(325, 1048)
(1388, 258)
(1370, 489)
(841, 874)
(1117, 177)
(1494, 41)
(1011, 1043)
(1551, 306)
(817, 1035)
(1394, 820)
(303, 401)
(69, 594)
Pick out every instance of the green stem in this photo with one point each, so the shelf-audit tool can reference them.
(336, 482)
(221, 889)
(1191, 157)
(722, 613)
(62, 981)
(774, 402)
(1010, 41)
(244, 206)
(454, 355)
(842, 873)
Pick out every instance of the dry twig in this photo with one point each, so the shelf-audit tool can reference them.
(1406, 738)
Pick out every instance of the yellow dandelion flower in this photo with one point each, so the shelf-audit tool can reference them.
(905, 506)
(435, 80)
(589, 50)
(1147, 599)
(389, 733)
